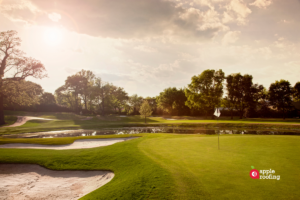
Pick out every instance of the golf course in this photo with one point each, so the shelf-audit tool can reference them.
(167, 166)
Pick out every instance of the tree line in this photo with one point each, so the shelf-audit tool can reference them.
(86, 93)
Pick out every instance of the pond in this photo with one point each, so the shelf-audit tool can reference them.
(137, 130)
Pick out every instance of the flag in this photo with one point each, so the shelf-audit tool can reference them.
(217, 112)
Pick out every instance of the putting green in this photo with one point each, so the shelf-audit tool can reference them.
(168, 166)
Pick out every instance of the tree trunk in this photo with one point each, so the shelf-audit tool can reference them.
(2, 121)
(241, 114)
(85, 103)
(231, 114)
(145, 120)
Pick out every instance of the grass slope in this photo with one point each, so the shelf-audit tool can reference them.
(169, 166)
(136, 176)
(201, 171)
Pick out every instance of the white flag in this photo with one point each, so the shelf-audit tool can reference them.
(217, 112)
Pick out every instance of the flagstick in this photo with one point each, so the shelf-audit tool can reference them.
(218, 137)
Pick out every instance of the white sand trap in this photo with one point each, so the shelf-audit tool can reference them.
(23, 119)
(78, 144)
(24, 181)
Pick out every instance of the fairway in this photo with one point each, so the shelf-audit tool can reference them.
(169, 166)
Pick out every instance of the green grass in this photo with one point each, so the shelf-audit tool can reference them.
(9, 119)
(169, 166)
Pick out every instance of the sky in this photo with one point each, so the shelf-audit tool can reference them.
(146, 46)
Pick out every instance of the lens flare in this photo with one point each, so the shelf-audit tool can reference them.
(53, 36)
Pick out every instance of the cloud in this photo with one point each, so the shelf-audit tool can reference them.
(239, 10)
(144, 48)
(124, 19)
(230, 37)
(261, 3)
(54, 17)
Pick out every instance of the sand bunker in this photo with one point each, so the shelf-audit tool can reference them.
(78, 144)
(22, 181)
(23, 119)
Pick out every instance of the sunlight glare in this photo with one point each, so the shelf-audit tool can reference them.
(53, 36)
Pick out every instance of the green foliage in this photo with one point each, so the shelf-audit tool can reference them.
(296, 91)
(242, 94)
(14, 67)
(47, 98)
(24, 93)
(172, 101)
(134, 103)
(145, 110)
(205, 90)
(280, 96)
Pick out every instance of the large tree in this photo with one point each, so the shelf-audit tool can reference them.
(280, 96)
(172, 101)
(205, 91)
(22, 93)
(242, 93)
(14, 66)
(86, 86)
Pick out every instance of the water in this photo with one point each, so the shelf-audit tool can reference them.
(137, 130)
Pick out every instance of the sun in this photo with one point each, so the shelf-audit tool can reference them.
(53, 36)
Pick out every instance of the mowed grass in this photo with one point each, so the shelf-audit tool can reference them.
(170, 166)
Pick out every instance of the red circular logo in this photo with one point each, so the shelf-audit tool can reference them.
(254, 174)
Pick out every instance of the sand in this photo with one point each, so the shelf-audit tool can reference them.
(78, 144)
(23, 119)
(24, 181)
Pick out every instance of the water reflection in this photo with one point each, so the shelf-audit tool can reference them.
(137, 130)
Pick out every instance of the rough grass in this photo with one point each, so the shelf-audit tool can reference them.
(169, 166)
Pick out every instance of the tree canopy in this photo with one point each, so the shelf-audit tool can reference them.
(280, 96)
(205, 91)
(145, 110)
(14, 66)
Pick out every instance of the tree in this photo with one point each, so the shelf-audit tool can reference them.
(280, 96)
(86, 89)
(14, 66)
(119, 98)
(240, 92)
(172, 100)
(153, 104)
(145, 110)
(76, 85)
(205, 91)
(296, 93)
(64, 97)
(22, 93)
(135, 103)
(47, 98)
